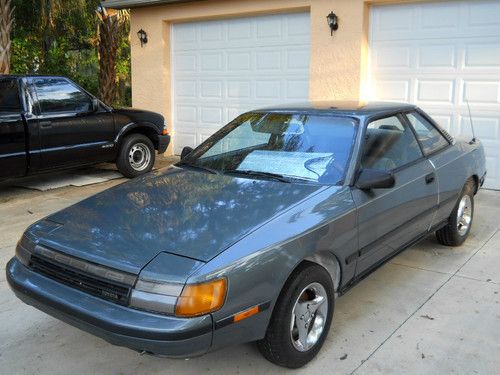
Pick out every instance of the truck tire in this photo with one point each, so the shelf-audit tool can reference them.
(136, 157)
(307, 299)
(460, 221)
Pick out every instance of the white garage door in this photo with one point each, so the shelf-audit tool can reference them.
(222, 68)
(438, 55)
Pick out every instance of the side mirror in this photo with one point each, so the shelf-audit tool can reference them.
(375, 179)
(95, 105)
(186, 151)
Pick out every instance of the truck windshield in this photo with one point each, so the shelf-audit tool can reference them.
(283, 146)
(9, 96)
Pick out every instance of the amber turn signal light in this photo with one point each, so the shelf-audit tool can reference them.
(164, 132)
(200, 299)
(246, 314)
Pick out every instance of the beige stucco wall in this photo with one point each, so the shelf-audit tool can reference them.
(338, 65)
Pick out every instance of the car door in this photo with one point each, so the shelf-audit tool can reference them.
(389, 219)
(72, 131)
(13, 160)
(444, 159)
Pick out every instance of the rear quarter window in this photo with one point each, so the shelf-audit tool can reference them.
(9, 96)
(428, 136)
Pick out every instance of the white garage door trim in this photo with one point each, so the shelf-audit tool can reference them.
(222, 68)
(436, 55)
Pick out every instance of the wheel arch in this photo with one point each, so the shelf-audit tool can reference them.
(324, 259)
(328, 261)
(146, 129)
(475, 179)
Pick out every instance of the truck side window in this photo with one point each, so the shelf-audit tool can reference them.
(56, 95)
(9, 96)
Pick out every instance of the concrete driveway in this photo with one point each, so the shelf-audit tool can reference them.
(431, 310)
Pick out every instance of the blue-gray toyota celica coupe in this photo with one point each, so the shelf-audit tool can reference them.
(254, 233)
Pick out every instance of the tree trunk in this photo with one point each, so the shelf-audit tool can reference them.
(109, 31)
(6, 19)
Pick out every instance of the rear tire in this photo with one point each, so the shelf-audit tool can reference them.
(307, 299)
(136, 157)
(460, 221)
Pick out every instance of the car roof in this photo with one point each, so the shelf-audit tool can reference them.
(12, 76)
(353, 108)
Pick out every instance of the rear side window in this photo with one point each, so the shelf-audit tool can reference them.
(389, 144)
(9, 96)
(428, 136)
(57, 95)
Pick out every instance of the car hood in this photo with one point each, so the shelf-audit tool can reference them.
(184, 212)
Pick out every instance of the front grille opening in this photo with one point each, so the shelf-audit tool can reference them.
(91, 284)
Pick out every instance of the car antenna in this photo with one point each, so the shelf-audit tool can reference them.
(473, 140)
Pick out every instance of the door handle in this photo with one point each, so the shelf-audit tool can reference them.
(430, 178)
(45, 124)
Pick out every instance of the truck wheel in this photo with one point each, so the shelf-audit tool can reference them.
(301, 318)
(136, 157)
(460, 221)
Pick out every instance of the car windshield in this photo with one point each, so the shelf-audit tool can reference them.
(283, 146)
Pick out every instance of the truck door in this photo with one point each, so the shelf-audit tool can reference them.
(13, 160)
(71, 131)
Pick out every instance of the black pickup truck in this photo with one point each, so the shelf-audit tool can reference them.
(49, 123)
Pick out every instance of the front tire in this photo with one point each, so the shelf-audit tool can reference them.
(460, 221)
(136, 157)
(301, 318)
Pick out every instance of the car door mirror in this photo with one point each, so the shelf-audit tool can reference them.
(186, 151)
(375, 179)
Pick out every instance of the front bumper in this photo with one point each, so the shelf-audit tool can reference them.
(163, 142)
(119, 325)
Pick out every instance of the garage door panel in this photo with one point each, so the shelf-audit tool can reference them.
(482, 16)
(393, 56)
(481, 92)
(392, 90)
(297, 58)
(441, 56)
(453, 58)
(223, 68)
(438, 17)
(483, 55)
(296, 89)
(434, 91)
(239, 90)
(211, 89)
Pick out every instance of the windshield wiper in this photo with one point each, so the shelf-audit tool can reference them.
(196, 166)
(274, 176)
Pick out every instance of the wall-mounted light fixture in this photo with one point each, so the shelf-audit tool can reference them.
(143, 37)
(333, 22)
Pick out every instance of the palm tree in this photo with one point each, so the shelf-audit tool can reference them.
(49, 9)
(6, 19)
(111, 26)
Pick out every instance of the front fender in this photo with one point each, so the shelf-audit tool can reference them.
(131, 126)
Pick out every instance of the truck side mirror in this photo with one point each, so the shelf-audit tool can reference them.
(186, 151)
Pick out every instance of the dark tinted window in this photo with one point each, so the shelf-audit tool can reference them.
(59, 95)
(389, 144)
(9, 96)
(430, 138)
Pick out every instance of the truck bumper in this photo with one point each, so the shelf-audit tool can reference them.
(119, 325)
(163, 142)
